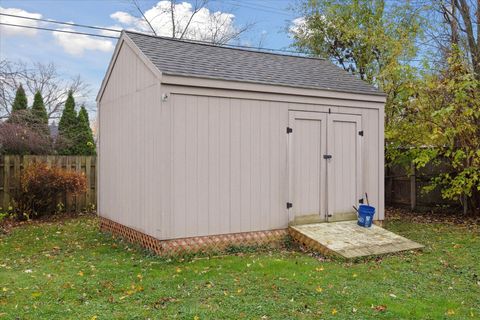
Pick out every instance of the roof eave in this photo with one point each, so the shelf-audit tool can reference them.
(221, 83)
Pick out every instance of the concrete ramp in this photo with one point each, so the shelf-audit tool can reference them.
(348, 240)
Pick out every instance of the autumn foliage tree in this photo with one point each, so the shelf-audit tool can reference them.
(443, 122)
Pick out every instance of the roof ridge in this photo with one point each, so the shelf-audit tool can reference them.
(224, 46)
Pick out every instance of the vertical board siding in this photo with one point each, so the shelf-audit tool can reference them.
(229, 163)
(129, 145)
(226, 164)
(12, 166)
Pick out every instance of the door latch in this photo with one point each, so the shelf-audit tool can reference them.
(327, 156)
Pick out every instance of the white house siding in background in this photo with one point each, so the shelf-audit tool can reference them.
(183, 156)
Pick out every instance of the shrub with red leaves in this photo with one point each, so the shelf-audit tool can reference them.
(41, 186)
(20, 139)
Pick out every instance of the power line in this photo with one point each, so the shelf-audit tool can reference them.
(284, 10)
(60, 22)
(114, 30)
(256, 7)
(113, 37)
(57, 30)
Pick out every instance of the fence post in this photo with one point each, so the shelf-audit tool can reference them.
(88, 168)
(389, 187)
(413, 187)
(6, 181)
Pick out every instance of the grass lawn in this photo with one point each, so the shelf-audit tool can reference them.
(68, 270)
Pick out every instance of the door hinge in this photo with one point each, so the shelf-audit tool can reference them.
(327, 156)
(360, 133)
(289, 205)
(289, 130)
(360, 201)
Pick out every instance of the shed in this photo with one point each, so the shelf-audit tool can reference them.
(201, 143)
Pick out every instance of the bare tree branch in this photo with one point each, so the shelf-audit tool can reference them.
(37, 77)
(135, 3)
(219, 27)
(197, 7)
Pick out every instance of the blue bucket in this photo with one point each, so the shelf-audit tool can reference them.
(365, 215)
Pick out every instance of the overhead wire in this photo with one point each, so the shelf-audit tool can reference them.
(58, 30)
(113, 30)
(59, 22)
(114, 37)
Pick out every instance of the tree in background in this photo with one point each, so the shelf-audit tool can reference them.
(368, 39)
(39, 114)
(85, 145)
(26, 131)
(187, 20)
(443, 123)
(67, 128)
(20, 102)
(45, 78)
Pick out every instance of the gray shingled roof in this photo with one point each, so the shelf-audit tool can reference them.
(185, 58)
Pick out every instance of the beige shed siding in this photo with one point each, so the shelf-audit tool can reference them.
(129, 144)
(225, 161)
(228, 162)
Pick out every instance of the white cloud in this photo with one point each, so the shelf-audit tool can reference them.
(76, 44)
(206, 25)
(13, 31)
(298, 25)
(123, 17)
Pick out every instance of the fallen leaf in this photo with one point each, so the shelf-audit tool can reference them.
(392, 295)
(450, 312)
(80, 273)
(318, 289)
(380, 308)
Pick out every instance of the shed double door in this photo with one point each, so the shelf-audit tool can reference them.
(325, 178)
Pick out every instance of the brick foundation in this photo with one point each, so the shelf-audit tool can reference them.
(193, 244)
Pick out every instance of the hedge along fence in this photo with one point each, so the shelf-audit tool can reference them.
(12, 166)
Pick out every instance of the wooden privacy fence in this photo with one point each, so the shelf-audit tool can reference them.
(12, 166)
(405, 187)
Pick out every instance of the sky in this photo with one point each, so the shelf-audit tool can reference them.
(89, 56)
